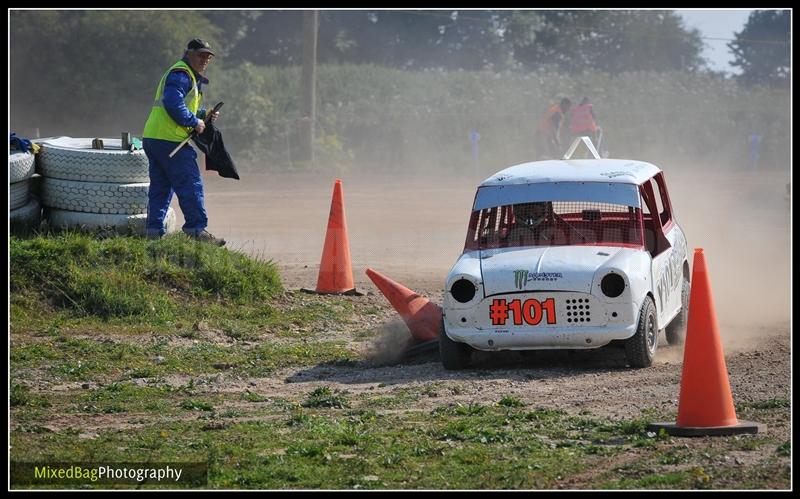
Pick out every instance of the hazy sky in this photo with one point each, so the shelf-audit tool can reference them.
(717, 24)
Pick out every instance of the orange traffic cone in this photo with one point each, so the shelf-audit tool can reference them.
(422, 316)
(705, 406)
(335, 271)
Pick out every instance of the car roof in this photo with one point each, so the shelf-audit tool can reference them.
(623, 171)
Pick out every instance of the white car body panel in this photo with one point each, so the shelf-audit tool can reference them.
(564, 268)
(624, 171)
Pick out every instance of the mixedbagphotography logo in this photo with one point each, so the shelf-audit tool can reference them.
(135, 474)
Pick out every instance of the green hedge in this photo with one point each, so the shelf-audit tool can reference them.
(376, 118)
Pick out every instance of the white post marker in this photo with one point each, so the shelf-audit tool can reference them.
(581, 140)
(181, 145)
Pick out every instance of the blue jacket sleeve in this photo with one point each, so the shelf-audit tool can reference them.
(176, 87)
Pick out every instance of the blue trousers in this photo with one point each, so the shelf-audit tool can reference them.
(179, 174)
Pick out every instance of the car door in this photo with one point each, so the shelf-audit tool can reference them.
(671, 273)
(662, 236)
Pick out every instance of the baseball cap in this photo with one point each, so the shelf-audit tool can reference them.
(199, 45)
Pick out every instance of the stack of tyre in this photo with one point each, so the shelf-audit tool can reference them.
(24, 210)
(95, 189)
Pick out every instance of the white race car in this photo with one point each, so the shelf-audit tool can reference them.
(568, 254)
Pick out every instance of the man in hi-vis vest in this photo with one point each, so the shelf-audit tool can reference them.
(583, 122)
(177, 112)
(548, 133)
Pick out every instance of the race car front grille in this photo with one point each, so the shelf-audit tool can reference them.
(578, 310)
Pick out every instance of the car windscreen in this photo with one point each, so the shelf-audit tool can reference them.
(554, 223)
(621, 193)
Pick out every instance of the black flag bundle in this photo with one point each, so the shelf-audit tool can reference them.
(217, 157)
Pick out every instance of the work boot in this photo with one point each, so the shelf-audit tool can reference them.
(206, 237)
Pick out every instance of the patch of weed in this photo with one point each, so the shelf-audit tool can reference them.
(322, 396)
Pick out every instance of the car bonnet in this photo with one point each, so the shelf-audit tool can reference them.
(559, 268)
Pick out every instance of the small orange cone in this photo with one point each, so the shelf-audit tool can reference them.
(705, 406)
(422, 316)
(335, 271)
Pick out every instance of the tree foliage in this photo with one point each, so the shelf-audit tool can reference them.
(761, 49)
(612, 41)
(605, 40)
(100, 62)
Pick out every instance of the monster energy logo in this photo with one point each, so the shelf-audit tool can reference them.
(523, 277)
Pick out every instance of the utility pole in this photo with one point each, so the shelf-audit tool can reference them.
(308, 113)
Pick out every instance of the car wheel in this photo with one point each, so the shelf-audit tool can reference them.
(454, 355)
(640, 349)
(676, 330)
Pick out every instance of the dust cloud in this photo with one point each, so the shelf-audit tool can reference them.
(411, 228)
(742, 222)
(389, 346)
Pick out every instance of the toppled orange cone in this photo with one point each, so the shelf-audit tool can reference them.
(422, 316)
(705, 406)
(335, 270)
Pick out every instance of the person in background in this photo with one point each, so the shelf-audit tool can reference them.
(548, 132)
(584, 122)
(177, 112)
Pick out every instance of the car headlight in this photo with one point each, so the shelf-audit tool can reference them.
(463, 290)
(612, 285)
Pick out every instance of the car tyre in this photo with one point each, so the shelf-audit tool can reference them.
(676, 330)
(69, 158)
(93, 222)
(20, 166)
(18, 194)
(26, 220)
(454, 355)
(95, 197)
(640, 349)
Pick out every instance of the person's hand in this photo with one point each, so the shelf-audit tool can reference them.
(201, 125)
(213, 117)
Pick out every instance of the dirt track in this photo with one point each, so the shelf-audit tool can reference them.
(412, 230)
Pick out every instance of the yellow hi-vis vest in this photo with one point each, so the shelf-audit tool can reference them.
(159, 124)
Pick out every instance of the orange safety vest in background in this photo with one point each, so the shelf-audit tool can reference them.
(581, 120)
(546, 125)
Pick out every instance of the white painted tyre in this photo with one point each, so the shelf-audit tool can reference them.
(121, 224)
(18, 194)
(94, 197)
(74, 159)
(26, 218)
(20, 166)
